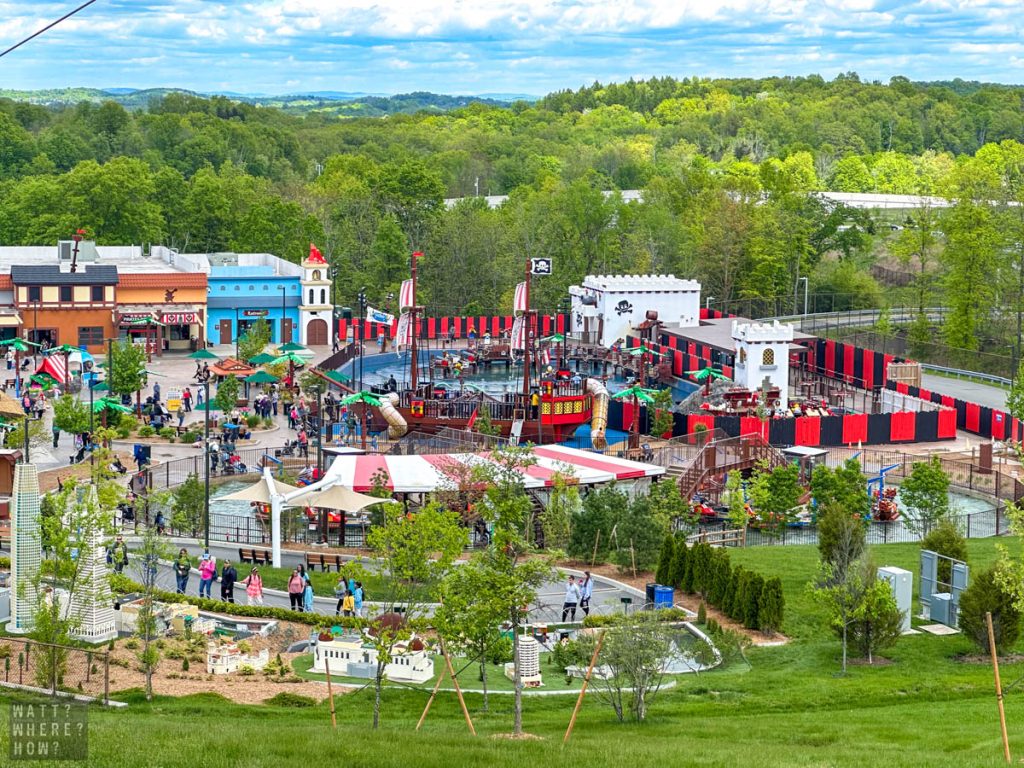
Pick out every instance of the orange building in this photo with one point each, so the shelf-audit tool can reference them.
(167, 309)
(74, 308)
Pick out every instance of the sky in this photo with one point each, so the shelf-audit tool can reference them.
(499, 46)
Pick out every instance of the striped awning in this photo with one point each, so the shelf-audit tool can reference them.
(431, 472)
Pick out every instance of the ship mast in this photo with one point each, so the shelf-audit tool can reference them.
(414, 363)
(526, 336)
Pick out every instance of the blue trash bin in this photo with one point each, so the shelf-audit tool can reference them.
(664, 597)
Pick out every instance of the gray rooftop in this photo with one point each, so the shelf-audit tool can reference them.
(51, 274)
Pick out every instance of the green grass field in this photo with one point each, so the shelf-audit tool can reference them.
(925, 708)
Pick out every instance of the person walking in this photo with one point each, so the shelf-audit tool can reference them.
(296, 586)
(303, 440)
(228, 577)
(307, 598)
(253, 587)
(337, 343)
(348, 604)
(186, 399)
(199, 398)
(381, 340)
(586, 592)
(572, 599)
(160, 523)
(182, 569)
(274, 397)
(357, 599)
(207, 573)
(340, 592)
(119, 554)
(56, 434)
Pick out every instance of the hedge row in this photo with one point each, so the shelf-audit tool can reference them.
(741, 594)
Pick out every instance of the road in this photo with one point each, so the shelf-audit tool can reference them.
(983, 394)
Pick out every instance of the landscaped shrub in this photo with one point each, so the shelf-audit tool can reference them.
(700, 557)
(720, 570)
(592, 524)
(840, 534)
(772, 606)
(191, 436)
(680, 554)
(986, 595)
(752, 605)
(146, 431)
(877, 621)
(702, 613)
(168, 433)
(664, 573)
(738, 606)
(946, 539)
(252, 420)
(639, 533)
(294, 700)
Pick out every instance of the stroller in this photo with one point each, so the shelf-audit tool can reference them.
(233, 464)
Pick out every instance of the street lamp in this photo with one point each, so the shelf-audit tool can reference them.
(361, 327)
(206, 463)
(238, 332)
(707, 302)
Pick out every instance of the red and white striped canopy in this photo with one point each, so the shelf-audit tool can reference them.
(431, 472)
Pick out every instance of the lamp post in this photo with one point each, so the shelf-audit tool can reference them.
(804, 281)
(206, 465)
(319, 431)
(707, 302)
(238, 332)
(361, 327)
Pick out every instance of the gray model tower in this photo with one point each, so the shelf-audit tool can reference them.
(26, 552)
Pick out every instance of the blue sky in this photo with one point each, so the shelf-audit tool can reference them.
(500, 46)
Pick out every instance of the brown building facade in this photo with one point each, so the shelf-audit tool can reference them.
(75, 308)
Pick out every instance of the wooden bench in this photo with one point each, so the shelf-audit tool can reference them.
(254, 556)
(324, 560)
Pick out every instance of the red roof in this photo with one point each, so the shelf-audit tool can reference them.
(161, 280)
(6, 283)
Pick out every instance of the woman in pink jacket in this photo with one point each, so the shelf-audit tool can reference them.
(254, 587)
(296, 586)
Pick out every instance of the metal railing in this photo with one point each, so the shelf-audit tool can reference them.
(58, 669)
(959, 373)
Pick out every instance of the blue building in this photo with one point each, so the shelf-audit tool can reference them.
(246, 288)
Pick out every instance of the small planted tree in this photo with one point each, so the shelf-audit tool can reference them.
(187, 505)
(591, 532)
(667, 504)
(774, 494)
(150, 552)
(986, 595)
(946, 539)
(254, 340)
(663, 420)
(677, 576)
(227, 394)
(663, 575)
(564, 504)
(640, 532)
(877, 621)
(772, 606)
(925, 495)
(414, 555)
(633, 655)
(841, 537)
(127, 374)
(71, 415)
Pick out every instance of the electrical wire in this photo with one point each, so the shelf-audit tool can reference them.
(48, 27)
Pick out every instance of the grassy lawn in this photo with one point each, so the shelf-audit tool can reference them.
(926, 708)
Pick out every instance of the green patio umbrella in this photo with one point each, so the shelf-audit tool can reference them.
(291, 346)
(261, 377)
(203, 354)
(366, 398)
(556, 337)
(291, 358)
(262, 359)
(707, 375)
(207, 406)
(101, 386)
(19, 345)
(64, 349)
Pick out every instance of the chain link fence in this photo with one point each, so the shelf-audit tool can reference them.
(55, 669)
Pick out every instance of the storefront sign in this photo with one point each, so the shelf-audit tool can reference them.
(136, 318)
(255, 312)
(181, 318)
(173, 400)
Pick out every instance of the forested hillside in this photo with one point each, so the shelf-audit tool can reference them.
(726, 165)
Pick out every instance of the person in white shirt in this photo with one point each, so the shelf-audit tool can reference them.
(572, 599)
(586, 591)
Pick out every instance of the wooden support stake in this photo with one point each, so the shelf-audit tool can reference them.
(433, 695)
(583, 690)
(593, 557)
(458, 690)
(999, 686)
(330, 693)
(632, 556)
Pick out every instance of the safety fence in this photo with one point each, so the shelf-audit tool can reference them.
(56, 669)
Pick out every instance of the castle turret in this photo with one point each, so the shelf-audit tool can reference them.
(762, 352)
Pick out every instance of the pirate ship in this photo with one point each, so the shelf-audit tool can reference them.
(550, 405)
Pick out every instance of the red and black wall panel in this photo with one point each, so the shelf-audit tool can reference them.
(972, 417)
(947, 424)
(867, 368)
(832, 430)
(782, 431)
(926, 428)
(855, 428)
(750, 425)
(998, 431)
(850, 365)
(879, 428)
(902, 426)
(729, 424)
(807, 430)
(700, 418)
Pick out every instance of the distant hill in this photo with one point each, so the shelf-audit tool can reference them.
(337, 103)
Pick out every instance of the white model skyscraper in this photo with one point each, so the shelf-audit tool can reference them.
(26, 550)
(92, 605)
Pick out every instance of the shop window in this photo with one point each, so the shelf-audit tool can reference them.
(90, 336)
(35, 293)
(97, 293)
(252, 287)
(65, 293)
(768, 358)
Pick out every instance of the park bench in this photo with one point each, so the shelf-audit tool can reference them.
(325, 561)
(254, 556)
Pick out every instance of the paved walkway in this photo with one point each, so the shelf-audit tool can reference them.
(963, 389)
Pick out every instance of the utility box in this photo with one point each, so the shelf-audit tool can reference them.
(902, 584)
(943, 609)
